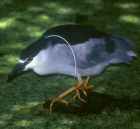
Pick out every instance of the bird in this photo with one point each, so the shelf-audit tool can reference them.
(73, 50)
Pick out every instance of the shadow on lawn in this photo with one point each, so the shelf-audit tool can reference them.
(95, 103)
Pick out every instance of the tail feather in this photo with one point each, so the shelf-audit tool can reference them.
(131, 53)
(124, 50)
(123, 43)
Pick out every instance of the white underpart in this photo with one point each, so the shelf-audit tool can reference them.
(73, 54)
(38, 63)
(47, 62)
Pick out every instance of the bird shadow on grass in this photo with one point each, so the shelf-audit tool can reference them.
(96, 103)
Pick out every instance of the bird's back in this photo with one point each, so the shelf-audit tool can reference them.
(75, 33)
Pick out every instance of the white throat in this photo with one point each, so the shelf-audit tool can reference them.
(39, 63)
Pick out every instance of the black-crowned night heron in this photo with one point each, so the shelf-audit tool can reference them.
(73, 50)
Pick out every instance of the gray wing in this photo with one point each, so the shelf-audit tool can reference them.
(109, 50)
(94, 52)
(92, 56)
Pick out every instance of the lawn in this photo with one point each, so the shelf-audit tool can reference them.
(23, 21)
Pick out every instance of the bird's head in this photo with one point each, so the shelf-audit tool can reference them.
(27, 60)
(19, 68)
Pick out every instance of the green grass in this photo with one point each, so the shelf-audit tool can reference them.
(22, 22)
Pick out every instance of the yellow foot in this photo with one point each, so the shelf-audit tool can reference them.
(55, 100)
(82, 87)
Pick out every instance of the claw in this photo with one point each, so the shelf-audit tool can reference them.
(56, 100)
(52, 104)
(77, 95)
(84, 92)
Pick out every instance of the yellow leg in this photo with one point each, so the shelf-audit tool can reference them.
(60, 98)
(82, 87)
